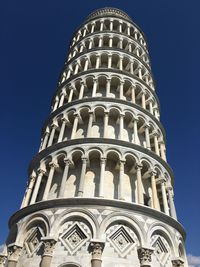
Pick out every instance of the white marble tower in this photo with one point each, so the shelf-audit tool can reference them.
(100, 190)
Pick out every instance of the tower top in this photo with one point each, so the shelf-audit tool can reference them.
(108, 11)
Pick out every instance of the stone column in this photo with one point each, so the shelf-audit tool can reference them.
(82, 178)
(108, 87)
(97, 61)
(178, 262)
(92, 28)
(111, 25)
(105, 129)
(64, 177)
(155, 135)
(29, 190)
(110, 41)
(62, 130)
(54, 126)
(100, 41)
(86, 64)
(120, 26)
(62, 98)
(94, 88)
(53, 166)
(171, 203)
(162, 151)
(101, 25)
(49, 245)
(133, 94)
(3, 258)
(164, 196)
(131, 67)
(144, 255)
(129, 47)
(96, 249)
(135, 131)
(75, 125)
(155, 200)
(151, 107)
(81, 90)
(56, 104)
(121, 126)
(128, 30)
(70, 94)
(14, 252)
(89, 129)
(140, 72)
(147, 137)
(121, 179)
(121, 89)
(46, 137)
(143, 100)
(41, 172)
(120, 62)
(140, 196)
(102, 176)
(109, 61)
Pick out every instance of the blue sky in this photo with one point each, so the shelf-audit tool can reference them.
(33, 45)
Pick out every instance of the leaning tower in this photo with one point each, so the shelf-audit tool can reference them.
(100, 190)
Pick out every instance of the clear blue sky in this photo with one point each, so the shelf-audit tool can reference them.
(33, 45)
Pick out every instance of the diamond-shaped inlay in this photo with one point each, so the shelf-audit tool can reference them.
(74, 238)
(161, 249)
(121, 241)
(33, 241)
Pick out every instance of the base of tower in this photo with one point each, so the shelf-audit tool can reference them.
(118, 232)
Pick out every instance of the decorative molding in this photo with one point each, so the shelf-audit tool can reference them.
(74, 238)
(80, 202)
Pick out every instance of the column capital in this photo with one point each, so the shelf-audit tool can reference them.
(53, 164)
(144, 255)
(3, 258)
(96, 248)
(161, 180)
(138, 165)
(67, 161)
(14, 252)
(103, 160)
(178, 262)
(41, 170)
(84, 159)
(82, 83)
(49, 244)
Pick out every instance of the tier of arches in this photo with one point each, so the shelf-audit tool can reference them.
(105, 85)
(107, 40)
(112, 60)
(112, 25)
(96, 174)
(158, 236)
(101, 121)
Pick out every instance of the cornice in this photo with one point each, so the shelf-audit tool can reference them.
(96, 202)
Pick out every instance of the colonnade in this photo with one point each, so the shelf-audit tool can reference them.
(96, 249)
(108, 60)
(100, 123)
(103, 86)
(110, 41)
(160, 198)
(109, 24)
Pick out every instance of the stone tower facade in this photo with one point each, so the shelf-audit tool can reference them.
(100, 191)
